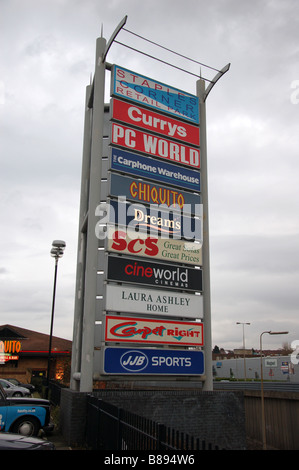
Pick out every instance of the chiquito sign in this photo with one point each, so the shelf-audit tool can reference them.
(149, 193)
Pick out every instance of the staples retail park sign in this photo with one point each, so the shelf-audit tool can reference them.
(154, 122)
(146, 91)
(151, 331)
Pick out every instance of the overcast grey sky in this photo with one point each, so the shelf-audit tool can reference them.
(46, 60)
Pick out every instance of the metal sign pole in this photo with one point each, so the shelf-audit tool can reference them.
(86, 373)
(208, 382)
(202, 94)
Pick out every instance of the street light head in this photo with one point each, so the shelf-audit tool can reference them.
(58, 244)
(58, 247)
(277, 332)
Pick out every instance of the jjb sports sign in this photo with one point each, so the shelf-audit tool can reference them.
(152, 361)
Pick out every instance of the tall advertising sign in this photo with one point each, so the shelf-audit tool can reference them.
(153, 231)
(142, 304)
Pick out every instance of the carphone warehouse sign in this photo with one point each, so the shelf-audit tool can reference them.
(153, 361)
(157, 170)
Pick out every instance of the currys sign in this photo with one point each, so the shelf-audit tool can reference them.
(146, 91)
(153, 361)
(125, 269)
(134, 115)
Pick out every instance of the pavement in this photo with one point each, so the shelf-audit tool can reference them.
(57, 439)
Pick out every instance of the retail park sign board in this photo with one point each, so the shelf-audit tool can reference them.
(148, 92)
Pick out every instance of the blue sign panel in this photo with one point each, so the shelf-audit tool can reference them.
(157, 95)
(155, 221)
(156, 170)
(151, 193)
(153, 361)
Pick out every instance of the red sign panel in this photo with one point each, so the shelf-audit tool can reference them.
(155, 122)
(145, 330)
(153, 145)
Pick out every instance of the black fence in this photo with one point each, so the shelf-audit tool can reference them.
(112, 428)
(55, 392)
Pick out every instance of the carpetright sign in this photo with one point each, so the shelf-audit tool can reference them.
(122, 329)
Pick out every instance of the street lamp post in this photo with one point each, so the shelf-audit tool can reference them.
(58, 247)
(262, 384)
(243, 324)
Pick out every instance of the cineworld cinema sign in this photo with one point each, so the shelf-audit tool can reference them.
(129, 85)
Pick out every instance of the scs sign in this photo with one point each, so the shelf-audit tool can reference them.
(137, 244)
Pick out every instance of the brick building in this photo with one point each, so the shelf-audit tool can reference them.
(24, 355)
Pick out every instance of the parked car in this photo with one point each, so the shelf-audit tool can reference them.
(14, 381)
(12, 390)
(9, 441)
(25, 416)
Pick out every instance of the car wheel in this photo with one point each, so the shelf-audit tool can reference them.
(17, 394)
(26, 426)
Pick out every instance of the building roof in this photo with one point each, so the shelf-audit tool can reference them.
(33, 342)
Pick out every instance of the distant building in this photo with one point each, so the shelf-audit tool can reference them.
(24, 354)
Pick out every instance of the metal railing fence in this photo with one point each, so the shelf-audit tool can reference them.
(112, 428)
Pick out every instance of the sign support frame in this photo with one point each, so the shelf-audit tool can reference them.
(84, 321)
(208, 379)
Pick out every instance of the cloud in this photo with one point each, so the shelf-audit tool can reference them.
(46, 64)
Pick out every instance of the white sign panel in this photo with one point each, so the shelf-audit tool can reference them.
(152, 301)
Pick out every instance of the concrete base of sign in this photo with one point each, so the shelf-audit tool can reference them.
(217, 417)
